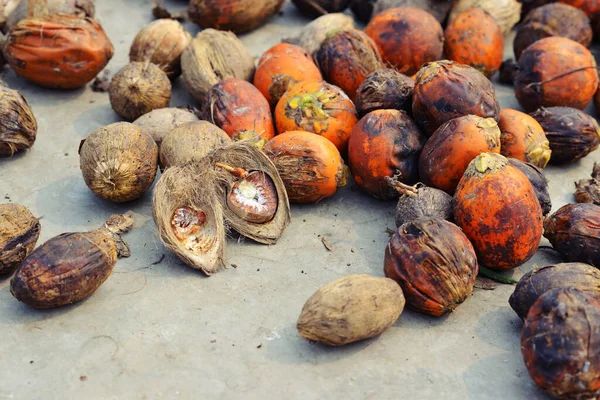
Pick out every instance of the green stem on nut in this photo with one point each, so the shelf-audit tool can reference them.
(496, 276)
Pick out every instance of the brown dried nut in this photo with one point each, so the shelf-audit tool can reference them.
(71, 266)
(421, 201)
(346, 58)
(560, 346)
(572, 133)
(588, 190)
(538, 281)
(58, 51)
(161, 42)
(37, 8)
(350, 309)
(591, 9)
(191, 142)
(529, 5)
(118, 162)
(250, 191)
(554, 19)
(506, 12)
(18, 126)
(538, 181)
(211, 57)
(574, 231)
(312, 35)
(508, 72)
(238, 16)
(158, 123)
(139, 88)
(19, 232)
(556, 71)
(189, 217)
(445, 90)
(434, 263)
(315, 8)
(438, 8)
(385, 89)
(523, 138)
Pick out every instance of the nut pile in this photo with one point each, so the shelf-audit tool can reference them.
(406, 107)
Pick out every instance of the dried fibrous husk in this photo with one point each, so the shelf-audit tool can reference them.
(37, 8)
(158, 123)
(238, 16)
(161, 42)
(588, 190)
(421, 201)
(191, 142)
(71, 266)
(60, 51)
(538, 181)
(18, 126)
(385, 89)
(245, 155)
(315, 8)
(538, 281)
(183, 190)
(139, 88)
(350, 309)
(438, 8)
(19, 232)
(211, 57)
(312, 35)
(118, 161)
(506, 12)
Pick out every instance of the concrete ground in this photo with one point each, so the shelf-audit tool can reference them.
(159, 330)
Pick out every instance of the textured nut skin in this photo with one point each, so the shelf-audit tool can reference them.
(554, 19)
(537, 85)
(161, 42)
(574, 231)
(434, 263)
(18, 126)
(384, 143)
(36, 8)
(559, 343)
(313, 34)
(238, 16)
(453, 146)
(427, 202)
(211, 57)
(446, 90)
(350, 309)
(497, 208)
(523, 138)
(407, 38)
(385, 89)
(19, 232)
(538, 281)
(572, 133)
(65, 269)
(158, 123)
(58, 51)
(538, 181)
(137, 89)
(347, 58)
(507, 13)
(118, 162)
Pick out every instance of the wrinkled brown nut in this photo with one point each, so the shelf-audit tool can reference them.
(19, 232)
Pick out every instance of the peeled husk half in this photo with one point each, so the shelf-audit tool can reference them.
(244, 154)
(18, 126)
(312, 35)
(185, 186)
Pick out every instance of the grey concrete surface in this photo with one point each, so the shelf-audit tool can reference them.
(159, 330)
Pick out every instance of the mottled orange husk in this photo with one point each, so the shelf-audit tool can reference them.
(540, 81)
(383, 144)
(453, 146)
(523, 138)
(236, 106)
(280, 68)
(310, 166)
(407, 38)
(58, 51)
(317, 107)
(347, 58)
(497, 208)
(474, 38)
